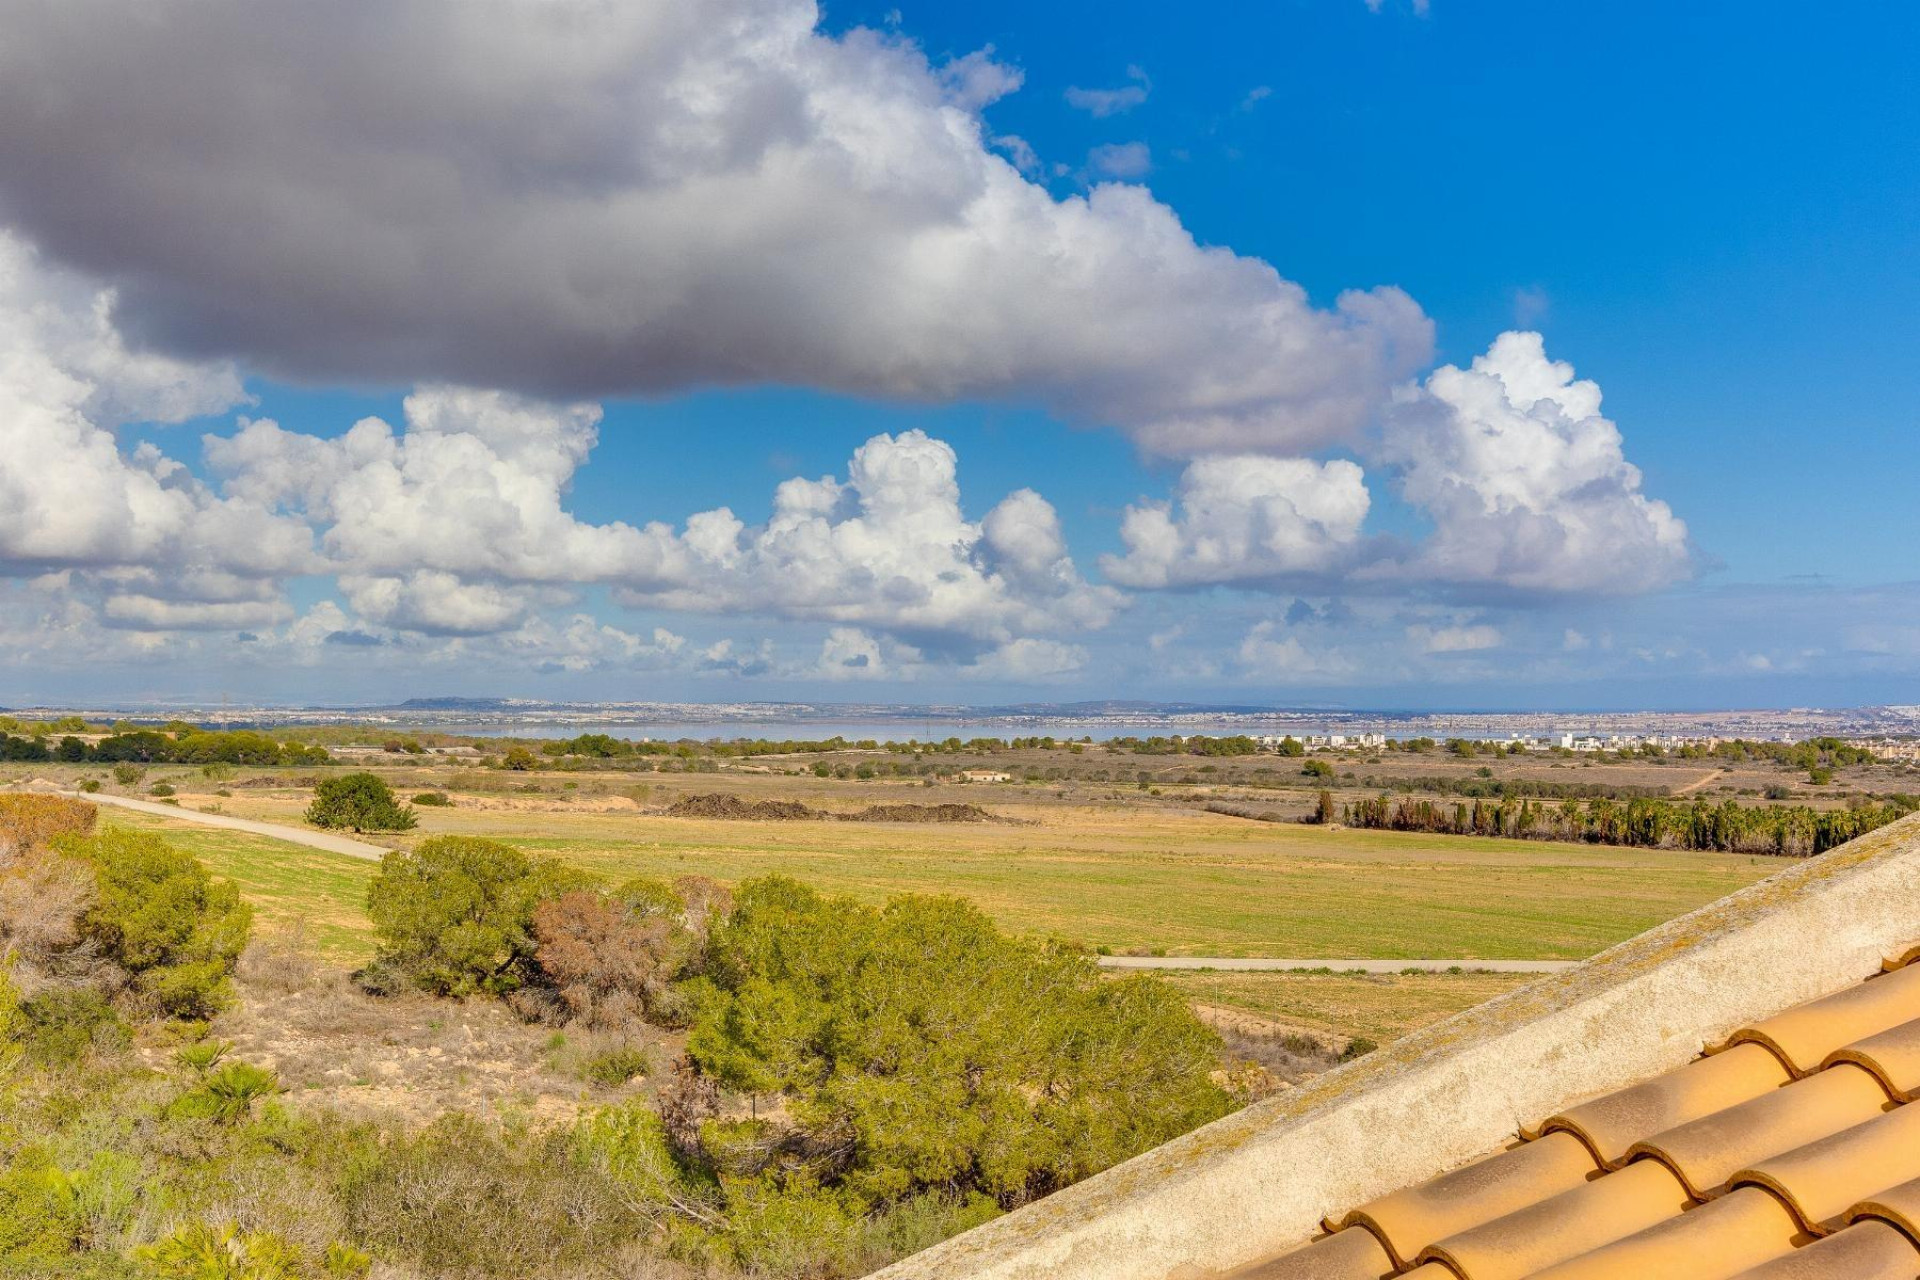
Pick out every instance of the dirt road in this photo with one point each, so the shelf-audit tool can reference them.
(295, 835)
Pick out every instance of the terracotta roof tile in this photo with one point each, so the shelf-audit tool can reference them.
(1899, 1205)
(1707, 1152)
(1869, 1250)
(1822, 1180)
(1344, 1255)
(1712, 1242)
(1565, 1226)
(1893, 1055)
(1412, 1219)
(1804, 1035)
(1611, 1125)
(1793, 1153)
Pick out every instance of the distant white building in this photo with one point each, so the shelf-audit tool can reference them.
(1326, 741)
(984, 775)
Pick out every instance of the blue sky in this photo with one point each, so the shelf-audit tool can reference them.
(1708, 211)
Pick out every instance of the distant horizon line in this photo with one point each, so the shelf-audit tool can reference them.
(1085, 708)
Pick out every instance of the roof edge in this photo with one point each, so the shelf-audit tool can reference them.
(1252, 1184)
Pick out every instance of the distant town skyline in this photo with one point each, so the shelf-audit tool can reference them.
(1353, 353)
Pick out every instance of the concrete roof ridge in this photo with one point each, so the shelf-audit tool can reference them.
(1259, 1181)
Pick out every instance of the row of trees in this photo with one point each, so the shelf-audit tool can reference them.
(1645, 822)
(154, 746)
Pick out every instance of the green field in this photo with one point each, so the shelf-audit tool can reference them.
(321, 894)
(1182, 881)
(1380, 1007)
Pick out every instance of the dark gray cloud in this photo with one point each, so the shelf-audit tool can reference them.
(575, 197)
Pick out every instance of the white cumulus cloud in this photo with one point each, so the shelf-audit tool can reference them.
(1528, 486)
(890, 547)
(71, 496)
(1245, 520)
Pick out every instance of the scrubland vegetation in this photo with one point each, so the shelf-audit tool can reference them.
(644, 1024)
(856, 1082)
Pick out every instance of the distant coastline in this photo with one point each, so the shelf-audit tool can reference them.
(669, 721)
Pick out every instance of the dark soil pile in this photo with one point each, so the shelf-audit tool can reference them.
(719, 804)
(919, 813)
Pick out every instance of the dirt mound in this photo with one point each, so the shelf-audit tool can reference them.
(719, 804)
(919, 813)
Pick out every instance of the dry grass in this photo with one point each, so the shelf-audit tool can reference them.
(31, 821)
(1335, 1006)
(1114, 874)
(410, 1057)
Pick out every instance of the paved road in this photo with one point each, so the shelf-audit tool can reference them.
(295, 835)
(1243, 964)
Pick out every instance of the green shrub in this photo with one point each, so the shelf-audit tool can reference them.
(456, 914)
(203, 1057)
(128, 774)
(159, 915)
(49, 1210)
(198, 1251)
(360, 802)
(62, 1024)
(616, 1066)
(927, 1050)
(227, 1094)
(161, 789)
(462, 1198)
(434, 800)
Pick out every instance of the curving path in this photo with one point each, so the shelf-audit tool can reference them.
(1261, 964)
(293, 835)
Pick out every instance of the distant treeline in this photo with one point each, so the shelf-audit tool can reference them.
(604, 747)
(1646, 823)
(152, 746)
(1520, 788)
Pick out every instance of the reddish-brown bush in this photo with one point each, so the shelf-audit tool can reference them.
(603, 959)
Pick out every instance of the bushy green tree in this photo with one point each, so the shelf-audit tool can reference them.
(455, 915)
(159, 915)
(917, 1047)
(361, 802)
